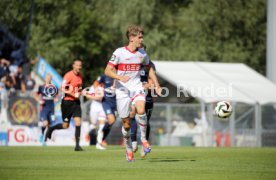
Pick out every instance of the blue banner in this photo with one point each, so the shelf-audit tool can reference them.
(43, 68)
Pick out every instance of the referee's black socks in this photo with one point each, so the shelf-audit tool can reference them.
(77, 135)
(106, 130)
(43, 129)
(58, 126)
(51, 129)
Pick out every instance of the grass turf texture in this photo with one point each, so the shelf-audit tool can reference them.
(162, 163)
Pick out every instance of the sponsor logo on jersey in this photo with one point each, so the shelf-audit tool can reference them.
(129, 67)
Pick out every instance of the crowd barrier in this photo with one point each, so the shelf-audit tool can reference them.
(20, 125)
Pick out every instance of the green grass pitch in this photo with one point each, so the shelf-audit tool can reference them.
(162, 163)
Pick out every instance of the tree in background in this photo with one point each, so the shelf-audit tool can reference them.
(194, 30)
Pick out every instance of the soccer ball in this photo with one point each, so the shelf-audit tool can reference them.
(223, 109)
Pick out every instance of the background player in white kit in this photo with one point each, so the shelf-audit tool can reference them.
(97, 114)
(128, 61)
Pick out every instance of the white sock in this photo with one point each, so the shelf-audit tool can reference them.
(142, 122)
(127, 141)
(100, 134)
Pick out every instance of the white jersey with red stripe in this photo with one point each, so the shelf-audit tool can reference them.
(94, 92)
(96, 107)
(128, 63)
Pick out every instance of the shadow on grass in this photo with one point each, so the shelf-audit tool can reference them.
(169, 160)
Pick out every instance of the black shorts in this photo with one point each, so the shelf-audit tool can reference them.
(70, 109)
(148, 109)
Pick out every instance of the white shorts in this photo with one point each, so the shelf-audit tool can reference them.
(125, 99)
(97, 113)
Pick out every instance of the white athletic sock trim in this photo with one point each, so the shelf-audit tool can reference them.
(127, 141)
(142, 122)
(100, 134)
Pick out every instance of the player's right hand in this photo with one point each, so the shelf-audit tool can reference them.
(84, 92)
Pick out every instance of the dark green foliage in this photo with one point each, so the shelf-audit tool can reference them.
(196, 30)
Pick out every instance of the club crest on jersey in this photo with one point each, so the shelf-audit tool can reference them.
(113, 57)
(141, 58)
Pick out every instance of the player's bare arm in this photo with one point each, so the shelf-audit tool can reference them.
(37, 98)
(56, 98)
(149, 84)
(153, 77)
(111, 72)
(66, 89)
(98, 95)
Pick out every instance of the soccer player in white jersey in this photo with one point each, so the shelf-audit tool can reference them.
(124, 66)
(97, 114)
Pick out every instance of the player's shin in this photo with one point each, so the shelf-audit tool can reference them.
(133, 129)
(106, 130)
(100, 134)
(148, 132)
(142, 122)
(126, 136)
(77, 135)
(51, 129)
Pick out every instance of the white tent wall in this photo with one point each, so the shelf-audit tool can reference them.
(174, 124)
(248, 91)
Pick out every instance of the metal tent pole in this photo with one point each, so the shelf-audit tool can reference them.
(232, 125)
(169, 123)
(258, 124)
(211, 120)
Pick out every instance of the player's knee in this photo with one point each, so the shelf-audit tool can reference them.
(111, 119)
(77, 121)
(142, 118)
(45, 123)
(140, 109)
(65, 125)
(126, 124)
(132, 114)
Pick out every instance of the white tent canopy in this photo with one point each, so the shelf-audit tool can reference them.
(212, 82)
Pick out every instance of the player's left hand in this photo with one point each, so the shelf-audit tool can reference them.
(77, 95)
(158, 90)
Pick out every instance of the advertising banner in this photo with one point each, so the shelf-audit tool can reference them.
(22, 110)
(43, 68)
(31, 136)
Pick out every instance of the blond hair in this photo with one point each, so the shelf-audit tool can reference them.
(134, 30)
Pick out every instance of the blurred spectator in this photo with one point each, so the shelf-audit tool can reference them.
(18, 54)
(2, 72)
(4, 67)
(8, 82)
(29, 82)
(19, 80)
(28, 65)
(2, 94)
(13, 70)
